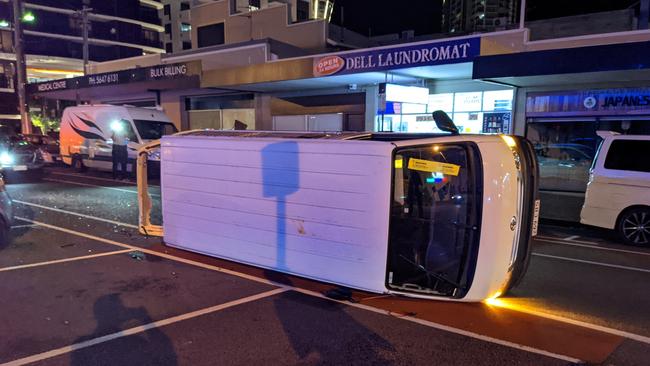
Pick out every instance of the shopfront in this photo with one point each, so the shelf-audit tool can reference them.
(473, 112)
(562, 126)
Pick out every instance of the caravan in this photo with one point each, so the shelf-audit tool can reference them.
(86, 133)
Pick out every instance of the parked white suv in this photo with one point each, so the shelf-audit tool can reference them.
(618, 192)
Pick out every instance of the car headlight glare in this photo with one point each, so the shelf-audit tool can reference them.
(6, 158)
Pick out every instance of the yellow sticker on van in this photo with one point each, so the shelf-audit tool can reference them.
(433, 166)
(398, 163)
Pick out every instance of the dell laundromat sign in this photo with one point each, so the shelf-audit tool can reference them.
(423, 54)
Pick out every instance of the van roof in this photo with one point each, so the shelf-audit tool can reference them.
(375, 136)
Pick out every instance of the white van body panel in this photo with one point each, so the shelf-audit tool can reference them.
(610, 191)
(222, 196)
(85, 131)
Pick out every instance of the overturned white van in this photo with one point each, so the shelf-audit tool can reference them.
(86, 133)
(435, 216)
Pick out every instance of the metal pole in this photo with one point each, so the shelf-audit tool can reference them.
(21, 69)
(522, 14)
(644, 11)
(84, 24)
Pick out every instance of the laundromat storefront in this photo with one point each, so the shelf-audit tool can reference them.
(562, 126)
(473, 112)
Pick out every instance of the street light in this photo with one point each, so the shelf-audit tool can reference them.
(28, 17)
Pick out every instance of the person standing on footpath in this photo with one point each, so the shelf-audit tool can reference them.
(120, 154)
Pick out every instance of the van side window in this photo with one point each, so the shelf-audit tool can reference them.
(628, 155)
(130, 134)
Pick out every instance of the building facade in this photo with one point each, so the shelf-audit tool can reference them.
(557, 92)
(53, 42)
(468, 16)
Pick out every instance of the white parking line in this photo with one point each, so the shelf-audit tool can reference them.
(96, 178)
(94, 186)
(23, 226)
(446, 328)
(143, 328)
(152, 252)
(572, 237)
(76, 214)
(286, 287)
(503, 303)
(592, 262)
(39, 264)
(598, 247)
(571, 241)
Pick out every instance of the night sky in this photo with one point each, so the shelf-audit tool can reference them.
(424, 16)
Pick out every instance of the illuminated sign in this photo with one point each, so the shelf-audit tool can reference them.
(102, 79)
(468, 102)
(159, 72)
(166, 71)
(328, 65)
(422, 54)
(589, 102)
(53, 85)
(406, 94)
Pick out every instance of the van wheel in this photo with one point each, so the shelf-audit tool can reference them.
(634, 226)
(78, 164)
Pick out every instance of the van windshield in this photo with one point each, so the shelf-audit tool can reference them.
(153, 130)
(434, 219)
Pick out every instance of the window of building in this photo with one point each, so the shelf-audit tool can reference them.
(150, 36)
(168, 29)
(565, 150)
(187, 45)
(185, 27)
(627, 155)
(167, 9)
(75, 24)
(210, 35)
(6, 82)
(473, 112)
(302, 11)
(169, 47)
(185, 6)
(565, 147)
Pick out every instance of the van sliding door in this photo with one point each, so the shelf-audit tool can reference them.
(434, 219)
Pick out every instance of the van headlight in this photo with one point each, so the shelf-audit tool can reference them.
(153, 155)
(6, 158)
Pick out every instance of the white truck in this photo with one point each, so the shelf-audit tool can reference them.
(434, 216)
(85, 136)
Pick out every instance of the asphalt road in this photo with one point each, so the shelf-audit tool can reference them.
(80, 286)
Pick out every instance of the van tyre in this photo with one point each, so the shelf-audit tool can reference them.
(634, 226)
(78, 164)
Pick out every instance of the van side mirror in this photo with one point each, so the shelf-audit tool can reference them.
(444, 122)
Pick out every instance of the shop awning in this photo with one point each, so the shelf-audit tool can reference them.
(183, 75)
(438, 59)
(615, 62)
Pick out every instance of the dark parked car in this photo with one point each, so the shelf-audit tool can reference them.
(49, 147)
(18, 156)
(6, 215)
